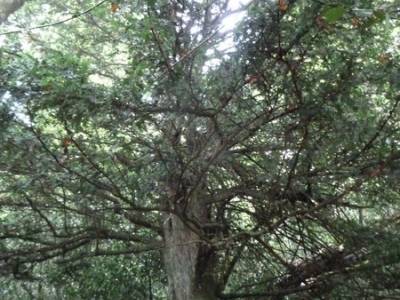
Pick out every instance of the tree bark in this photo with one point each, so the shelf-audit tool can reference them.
(189, 262)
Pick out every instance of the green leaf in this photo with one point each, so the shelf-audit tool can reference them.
(333, 13)
(377, 17)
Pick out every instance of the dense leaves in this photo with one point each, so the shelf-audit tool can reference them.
(152, 149)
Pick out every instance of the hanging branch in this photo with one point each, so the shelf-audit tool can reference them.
(74, 16)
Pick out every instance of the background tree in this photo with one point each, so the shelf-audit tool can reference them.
(7, 7)
(250, 161)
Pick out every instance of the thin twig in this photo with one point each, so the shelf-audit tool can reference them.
(74, 16)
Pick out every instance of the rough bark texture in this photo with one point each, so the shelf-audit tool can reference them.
(188, 261)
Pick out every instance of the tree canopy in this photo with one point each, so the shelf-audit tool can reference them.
(200, 149)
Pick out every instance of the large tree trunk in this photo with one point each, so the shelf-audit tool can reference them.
(189, 262)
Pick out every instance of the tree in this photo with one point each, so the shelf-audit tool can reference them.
(255, 162)
(7, 7)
